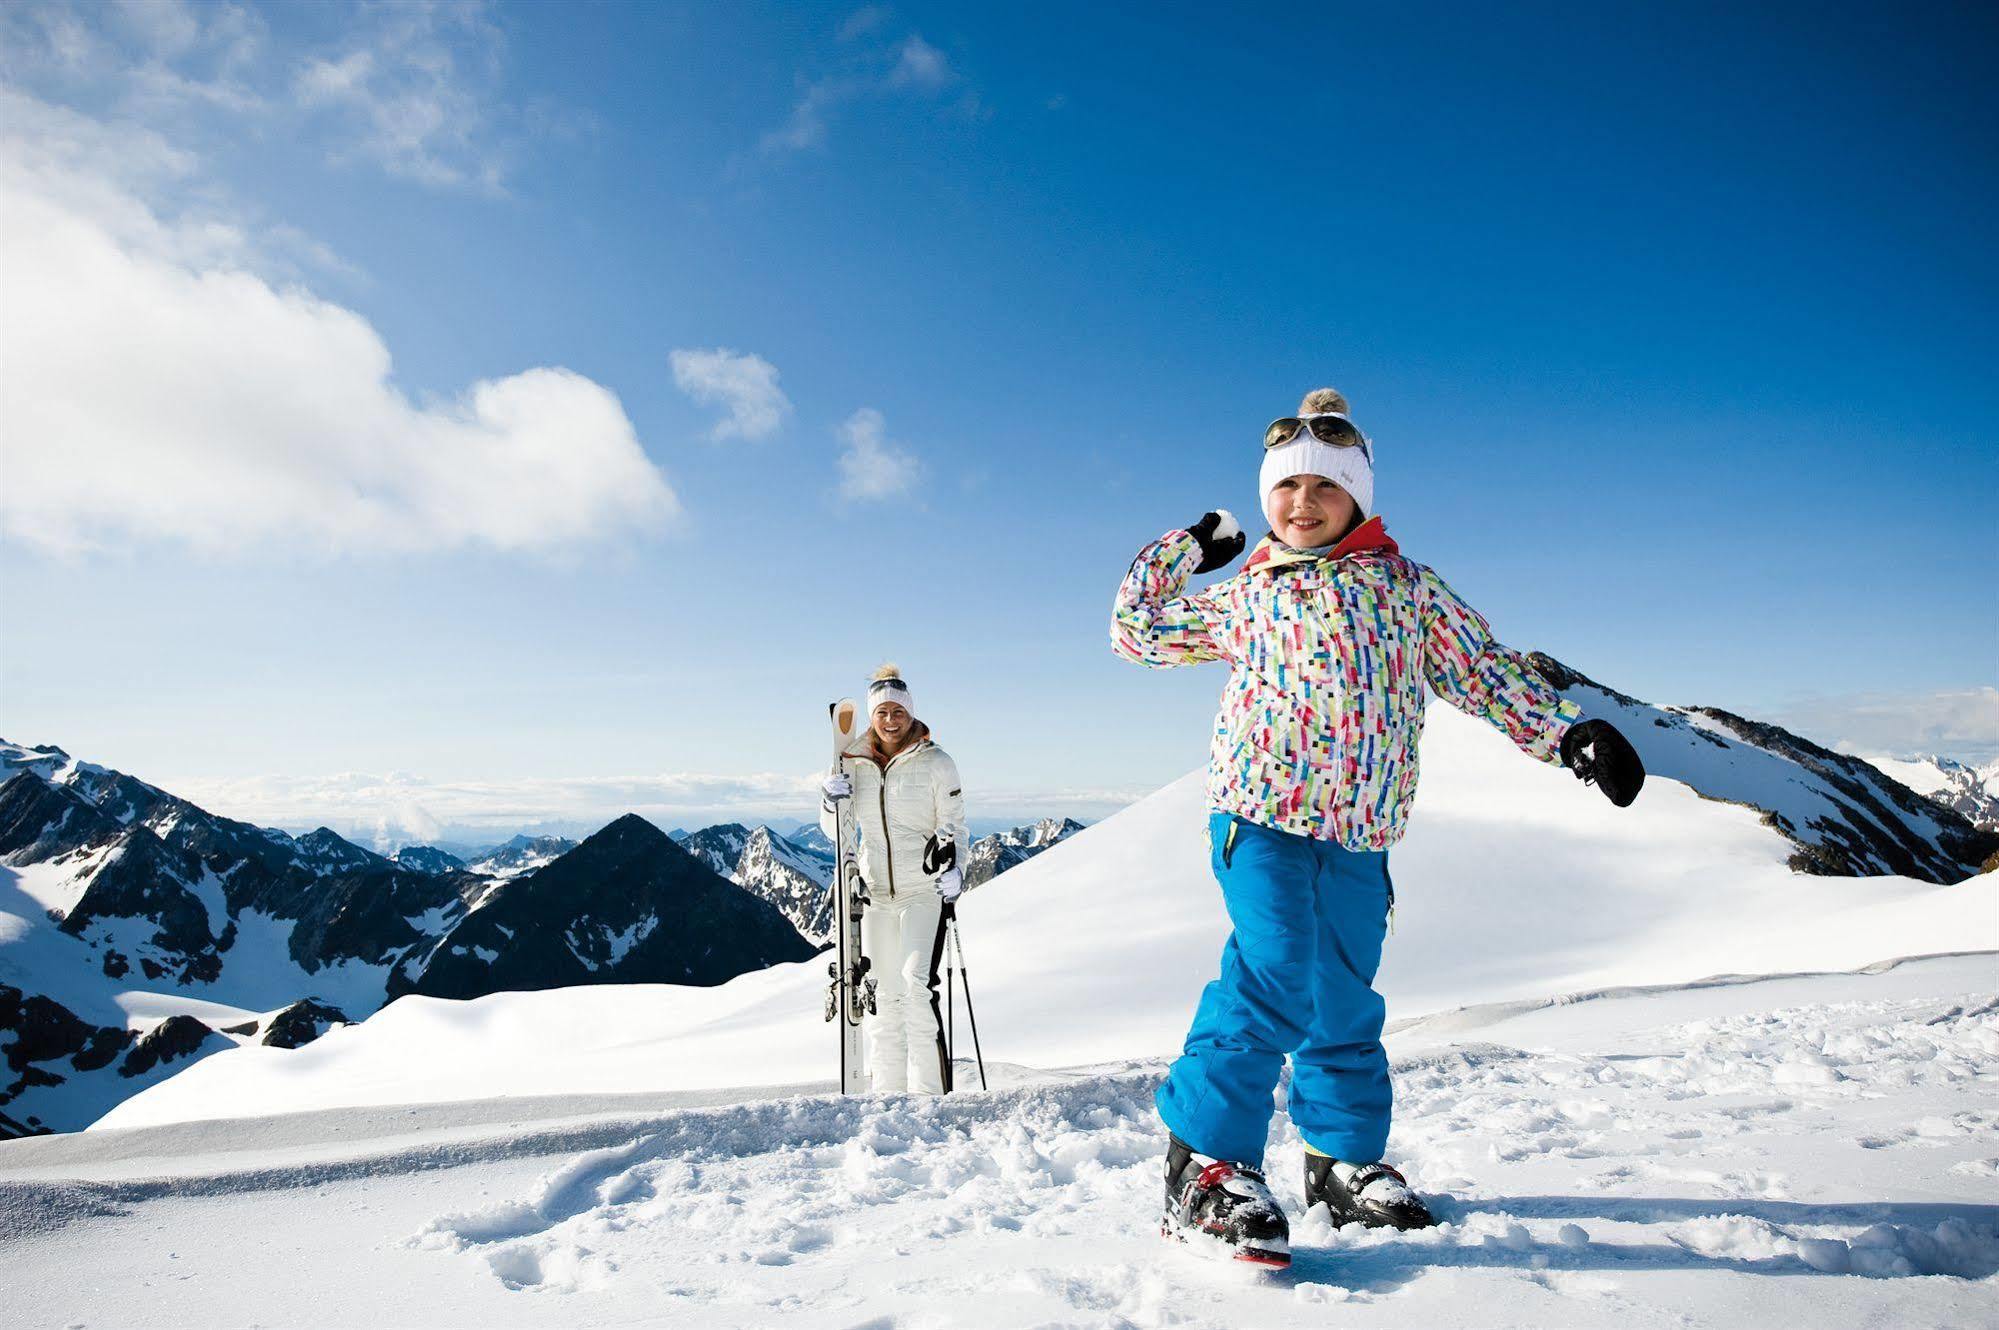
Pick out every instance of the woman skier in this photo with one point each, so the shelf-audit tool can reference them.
(1333, 638)
(909, 810)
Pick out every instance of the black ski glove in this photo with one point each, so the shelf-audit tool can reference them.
(1602, 757)
(1221, 540)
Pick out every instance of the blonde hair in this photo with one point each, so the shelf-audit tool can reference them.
(1321, 400)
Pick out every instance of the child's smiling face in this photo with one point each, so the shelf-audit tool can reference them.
(1308, 510)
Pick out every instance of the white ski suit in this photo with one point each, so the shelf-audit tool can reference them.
(897, 810)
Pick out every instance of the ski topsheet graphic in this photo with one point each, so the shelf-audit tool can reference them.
(851, 993)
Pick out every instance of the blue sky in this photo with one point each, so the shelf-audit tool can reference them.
(1674, 331)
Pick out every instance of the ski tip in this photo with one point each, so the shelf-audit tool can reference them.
(1265, 1260)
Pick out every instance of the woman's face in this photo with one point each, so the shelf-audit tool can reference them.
(1308, 510)
(891, 724)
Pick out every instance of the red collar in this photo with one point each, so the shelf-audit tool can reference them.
(1370, 537)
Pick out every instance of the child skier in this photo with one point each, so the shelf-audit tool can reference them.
(1333, 638)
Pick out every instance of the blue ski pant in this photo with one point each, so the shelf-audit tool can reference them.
(1297, 979)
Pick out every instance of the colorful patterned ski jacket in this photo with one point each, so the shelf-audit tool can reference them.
(1329, 659)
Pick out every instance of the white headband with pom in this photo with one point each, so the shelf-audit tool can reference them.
(1352, 469)
(890, 690)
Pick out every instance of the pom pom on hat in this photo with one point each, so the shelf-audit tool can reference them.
(889, 687)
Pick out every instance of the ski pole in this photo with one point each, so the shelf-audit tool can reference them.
(971, 1015)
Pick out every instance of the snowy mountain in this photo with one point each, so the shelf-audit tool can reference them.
(130, 917)
(773, 869)
(720, 846)
(134, 926)
(626, 906)
(324, 851)
(793, 872)
(1971, 791)
(994, 854)
(1842, 814)
(427, 859)
(813, 841)
(522, 854)
(793, 879)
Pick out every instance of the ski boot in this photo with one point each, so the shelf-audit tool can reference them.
(1226, 1209)
(1371, 1194)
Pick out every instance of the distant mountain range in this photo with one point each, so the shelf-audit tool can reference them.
(1845, 816)
(993, 855)
(793, 872)
(110, 887)
(1972, 791)
(522, 854)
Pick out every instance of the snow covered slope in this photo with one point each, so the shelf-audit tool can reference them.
(1843, 815)
(1515, 882)
(1802, 1151)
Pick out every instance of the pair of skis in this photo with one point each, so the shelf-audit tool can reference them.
(851, 994)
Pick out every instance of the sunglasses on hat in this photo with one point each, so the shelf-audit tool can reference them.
(1328, 427)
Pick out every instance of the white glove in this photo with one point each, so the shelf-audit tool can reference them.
(837, 786)
(950, 885)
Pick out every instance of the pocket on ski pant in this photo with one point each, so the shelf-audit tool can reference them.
(1222, 829)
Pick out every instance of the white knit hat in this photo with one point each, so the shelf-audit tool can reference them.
(1350, 469)
(889, 687)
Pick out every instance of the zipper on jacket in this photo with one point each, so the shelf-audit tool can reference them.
(888, 837)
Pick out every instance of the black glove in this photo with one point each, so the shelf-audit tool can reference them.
(1221, 540)
(940, 852)
(1602, 757)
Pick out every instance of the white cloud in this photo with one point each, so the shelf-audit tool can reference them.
(743, 384)
(871, 467)
(1961, 723)
(805, 127)
(150, 57)
(416, 89)
(911, 67)
(863, 21)
(400, 807)
(159, 388)
(919, 65)
(167, 27)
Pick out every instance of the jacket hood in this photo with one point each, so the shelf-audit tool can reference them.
(1370, 537)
